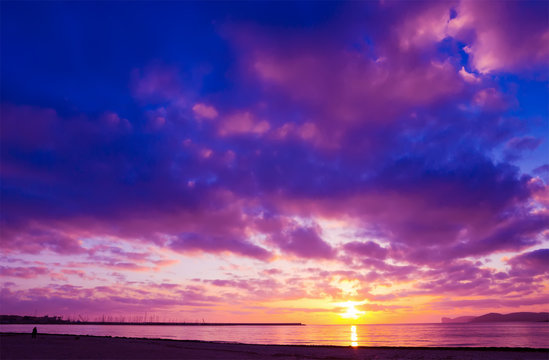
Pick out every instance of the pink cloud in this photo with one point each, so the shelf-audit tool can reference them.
(340, 88)
(307, 132)
(38, 239)
(203, 111)
(157, 118)
(426, 27)
(491, 100)
(120, 300)
(113, 120)
(156, 83)
(272, 271)
(509, 302)
(469, 77)
(23, 272)
(506, 35)
(80, 273)
(242, 123)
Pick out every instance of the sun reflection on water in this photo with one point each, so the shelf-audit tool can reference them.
(354, 336)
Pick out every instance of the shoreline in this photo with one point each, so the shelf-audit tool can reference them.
(66, 346)
(480, 348)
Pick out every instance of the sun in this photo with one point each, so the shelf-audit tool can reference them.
(352, 312)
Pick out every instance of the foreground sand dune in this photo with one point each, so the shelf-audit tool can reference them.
(22, 346)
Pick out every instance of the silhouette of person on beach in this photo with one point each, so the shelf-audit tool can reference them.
(34, 333)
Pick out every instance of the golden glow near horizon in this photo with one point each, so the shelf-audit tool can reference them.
(352, 312)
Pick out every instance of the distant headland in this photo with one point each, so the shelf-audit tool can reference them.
(17, 319)
(495, 317)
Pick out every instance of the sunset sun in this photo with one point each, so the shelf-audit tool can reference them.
(351, 312)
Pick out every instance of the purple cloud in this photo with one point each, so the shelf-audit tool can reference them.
(530, 263)
(304, 242)
(23, 272)
(366, 249)
(189, 242)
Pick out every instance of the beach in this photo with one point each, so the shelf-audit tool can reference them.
(46, 346)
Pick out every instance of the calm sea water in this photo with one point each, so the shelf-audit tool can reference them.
(534, 335)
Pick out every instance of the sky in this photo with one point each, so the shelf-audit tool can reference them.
(315, 162)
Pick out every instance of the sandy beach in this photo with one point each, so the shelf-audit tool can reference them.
(22, 346)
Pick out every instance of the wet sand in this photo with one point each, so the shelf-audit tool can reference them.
(22, 346)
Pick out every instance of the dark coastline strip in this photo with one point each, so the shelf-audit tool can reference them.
(70, 347)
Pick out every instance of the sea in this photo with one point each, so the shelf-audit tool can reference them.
(531, 335)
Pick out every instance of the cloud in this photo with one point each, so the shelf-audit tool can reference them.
(490, 100)
(543, 172)
(23, 272)
(517, 145)
(203, 111)
(156, 83)
(488, 303)
(345, 87)
(35, 240)
(503, 37)
(120, 301)
(366, 249)
(511, 235)
(242, 123)
(530, 263)
(193, 242)
(114, 121)
(524, 143)
(426, 26)
(469, 77)
(304, 242)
